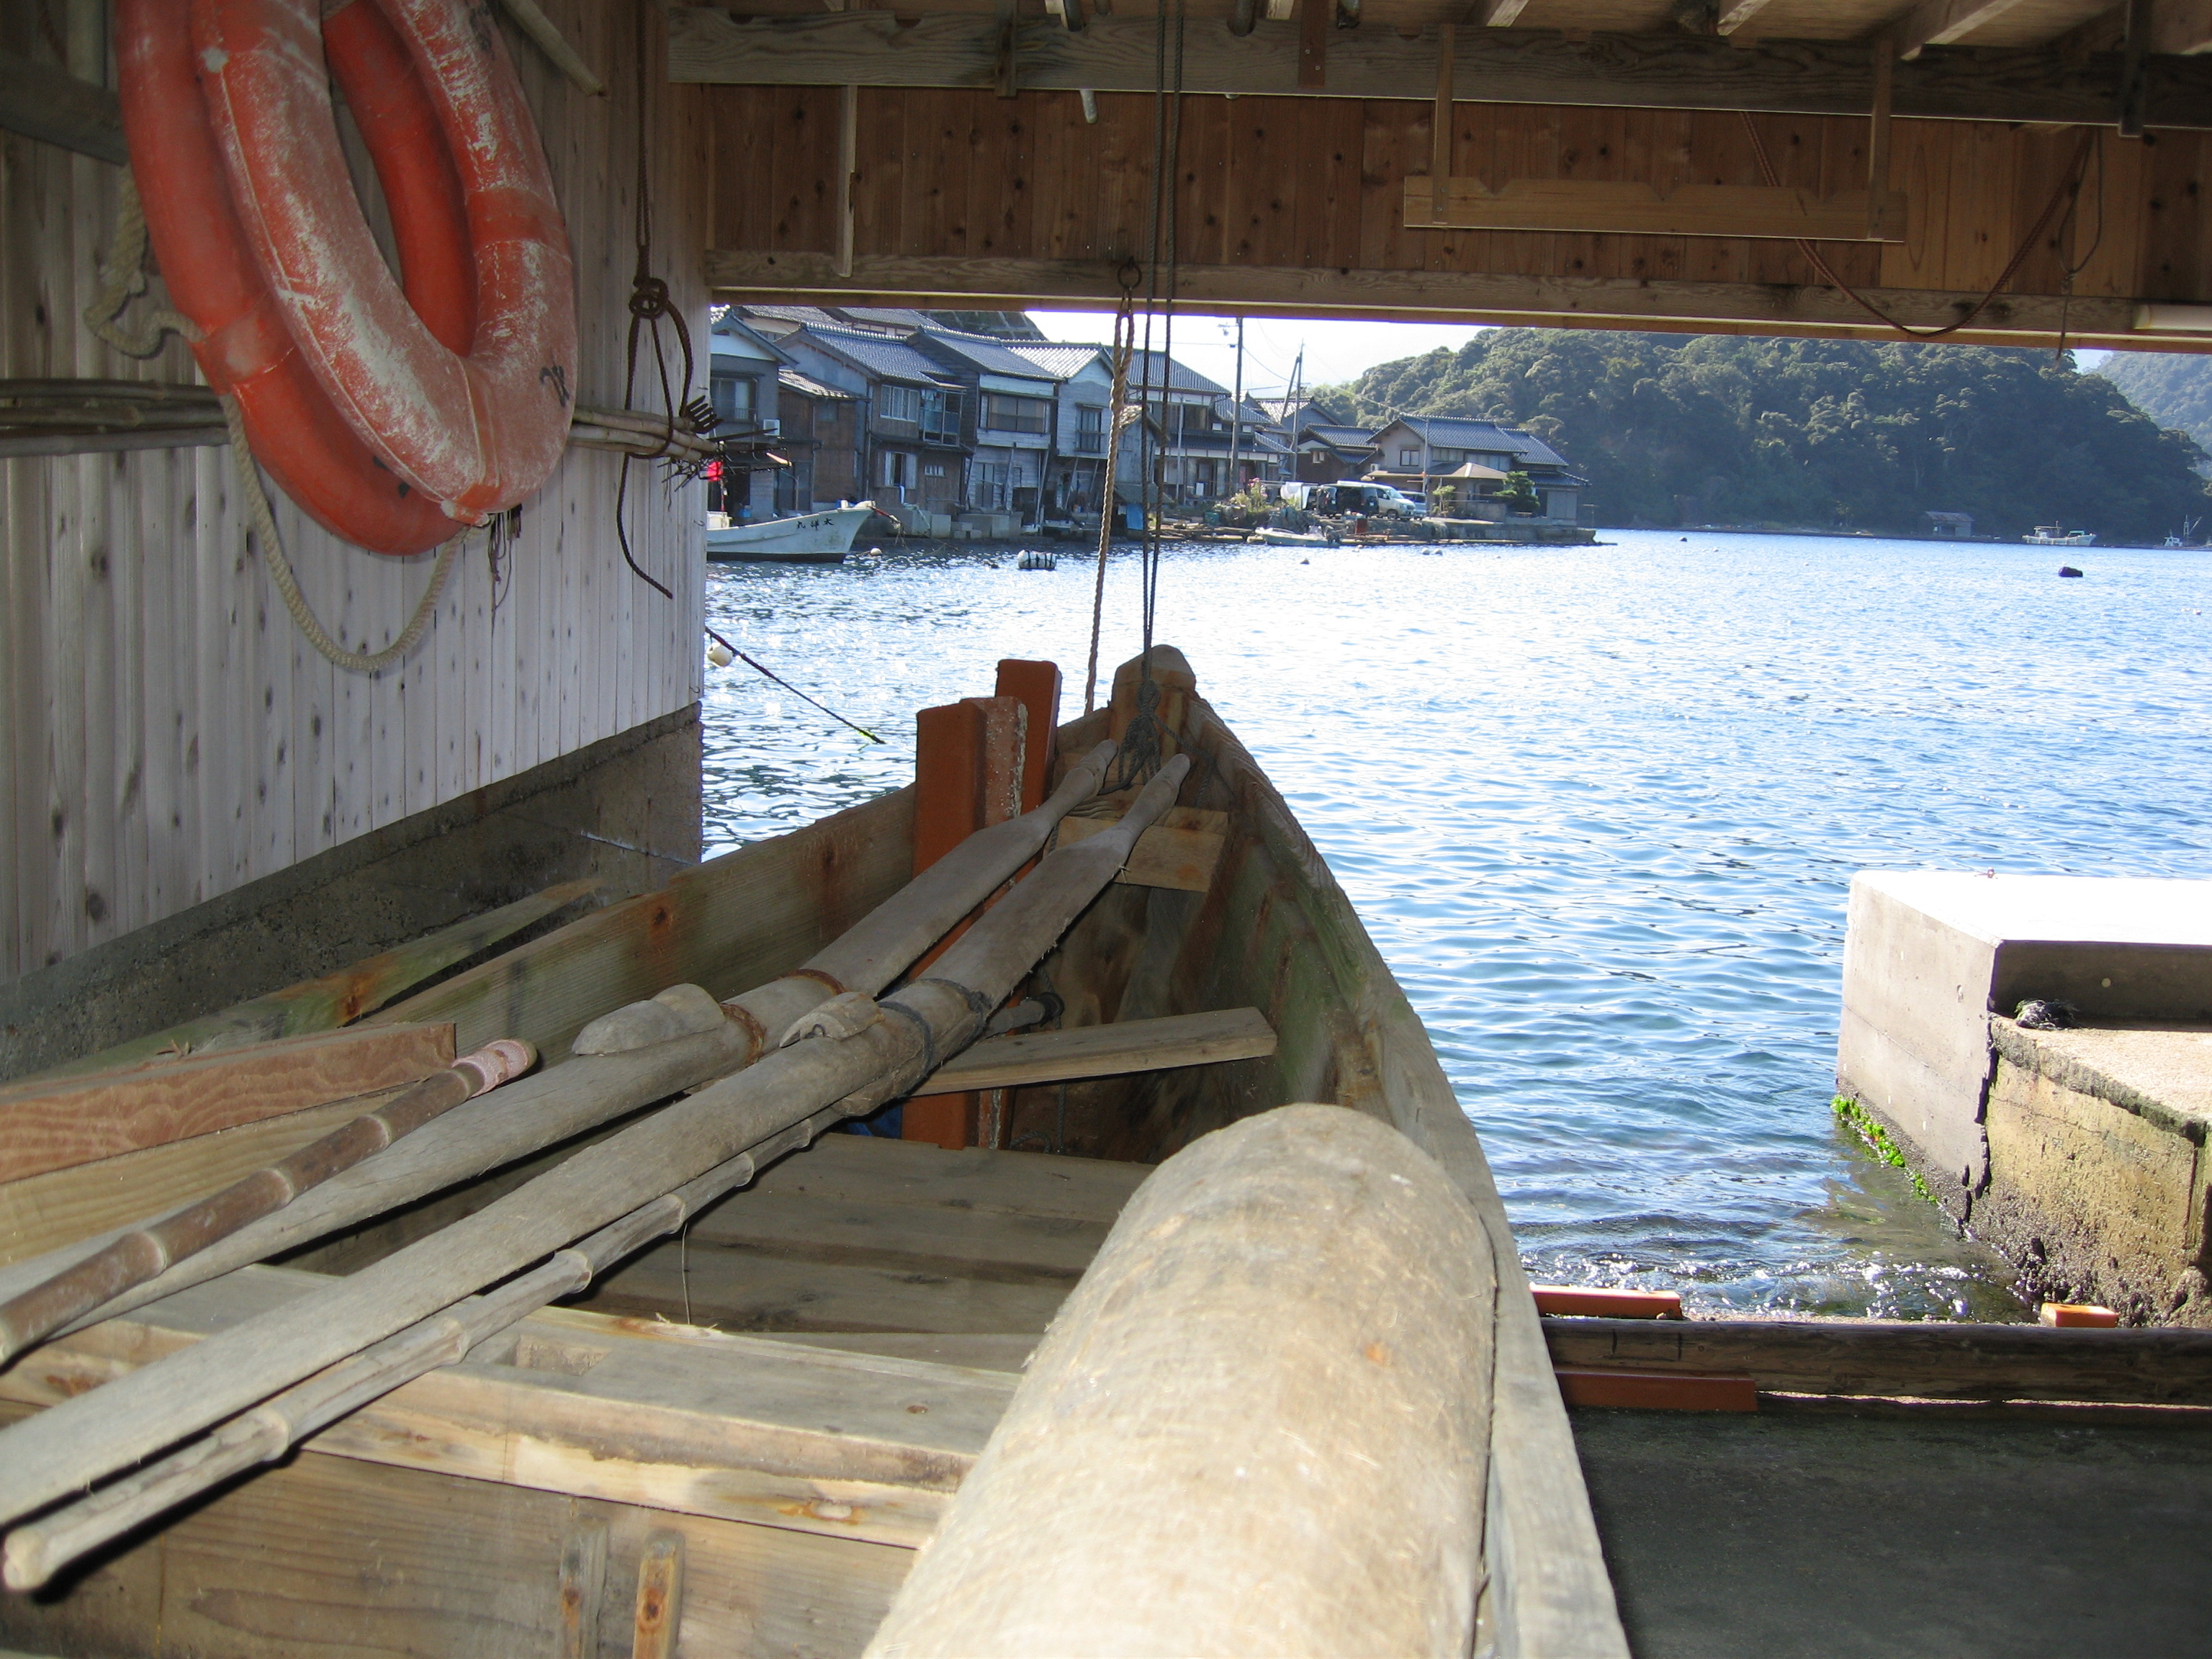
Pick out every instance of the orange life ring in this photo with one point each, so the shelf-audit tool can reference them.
(389, 413)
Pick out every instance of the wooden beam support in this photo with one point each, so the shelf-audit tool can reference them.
(1314, 17)
(1605, 207)
(2183, 25)
(1135, 1045)
(42, 101)
(1440, 121)
(1945, 22)
(1634, 71)
(2029, 319)
(1734, 17)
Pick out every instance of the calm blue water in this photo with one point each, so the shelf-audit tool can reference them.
(1599, 808)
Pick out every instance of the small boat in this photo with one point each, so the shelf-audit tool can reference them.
(1293, 538)
(2053, 535)
(809, 538)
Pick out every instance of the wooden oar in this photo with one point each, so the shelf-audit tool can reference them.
(851, 1053)
(139, 1255)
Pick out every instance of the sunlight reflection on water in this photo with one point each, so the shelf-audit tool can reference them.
(1599, 808)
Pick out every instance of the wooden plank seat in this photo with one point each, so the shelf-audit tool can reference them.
(859, 1234)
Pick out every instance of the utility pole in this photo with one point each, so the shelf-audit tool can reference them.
(1237, 416)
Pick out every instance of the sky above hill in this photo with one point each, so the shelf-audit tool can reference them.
(1335, 350)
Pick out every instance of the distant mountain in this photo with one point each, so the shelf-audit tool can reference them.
(2172, 389)
(1672, 429)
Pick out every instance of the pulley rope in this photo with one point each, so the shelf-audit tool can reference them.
(2066, 193)
(1121, 412)
(1139, 756)
(122, 274)
(649, 307)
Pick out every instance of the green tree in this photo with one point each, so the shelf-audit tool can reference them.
(1518, 492)
(1812, 433)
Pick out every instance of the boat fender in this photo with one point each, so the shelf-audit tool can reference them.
(680, 1011)
(2068, 570)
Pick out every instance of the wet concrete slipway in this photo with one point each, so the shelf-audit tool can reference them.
(1600, 809)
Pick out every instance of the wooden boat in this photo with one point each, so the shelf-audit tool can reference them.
(2057, 535)
(748, 1431)
(806, 538)
(1293, 538)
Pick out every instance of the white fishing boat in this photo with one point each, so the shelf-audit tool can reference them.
(809, 538)
(2056, 535)
(1293, 538)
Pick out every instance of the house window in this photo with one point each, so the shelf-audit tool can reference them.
(733, 399)
(1446, 457)
(1409, 459)
(940, 417)
(898, 468)
(901, 402)
(933, 469)
(1089, 430)
(988, 486)
(1003, 414)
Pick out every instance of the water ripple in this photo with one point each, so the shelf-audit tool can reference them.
(1599, 808)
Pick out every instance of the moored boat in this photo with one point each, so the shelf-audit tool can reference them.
(2057, 535)
(806, 538)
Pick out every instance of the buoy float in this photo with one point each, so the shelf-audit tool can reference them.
(391, 414)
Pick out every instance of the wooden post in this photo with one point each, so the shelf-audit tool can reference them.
(848, 165)
(660, 1596)
(1440, 124)
(1314, 17)
(1038, 685)
(1885, 80)
(1171, 674)
(968, 773)
(583, 1581)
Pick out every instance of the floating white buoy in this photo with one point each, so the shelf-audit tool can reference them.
(720, 655)
(1036, 559)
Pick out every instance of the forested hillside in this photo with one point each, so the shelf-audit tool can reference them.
(1673, 429)
(2173, 391)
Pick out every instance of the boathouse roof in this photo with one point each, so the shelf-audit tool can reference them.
(1063, 362)
(981, 353)
(807, 387)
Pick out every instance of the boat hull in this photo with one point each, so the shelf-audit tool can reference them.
(808, 538)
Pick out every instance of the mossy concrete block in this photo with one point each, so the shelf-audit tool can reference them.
(1929, 955)
(2098, 1174)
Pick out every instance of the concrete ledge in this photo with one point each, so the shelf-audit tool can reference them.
(1930, 954)
(624, 810)
(2098, 1174)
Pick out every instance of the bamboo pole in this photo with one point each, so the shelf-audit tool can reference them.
(851, 1052)
(36, 1552)
(570, 1099)
(143, 1252)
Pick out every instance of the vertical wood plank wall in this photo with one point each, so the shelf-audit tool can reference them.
(165, 733)
(1316, 183)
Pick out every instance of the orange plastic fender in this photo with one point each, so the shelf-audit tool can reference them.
(454, 388)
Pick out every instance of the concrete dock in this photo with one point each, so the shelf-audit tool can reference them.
(2078, 1151)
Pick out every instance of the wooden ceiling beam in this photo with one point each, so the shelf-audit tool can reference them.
(2019, 319)
(1946, 22)
(1734, 17)
(2183, 25)
(42, 101)
(1512, 66)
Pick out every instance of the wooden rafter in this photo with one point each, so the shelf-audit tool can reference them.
(1681, 72)
(1734, 17)
(1503, 14)
(1435, 295)
(1945, 22)
(2183, 25)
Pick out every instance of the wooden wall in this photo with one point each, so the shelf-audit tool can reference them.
(165, 734)
(1315, 182)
